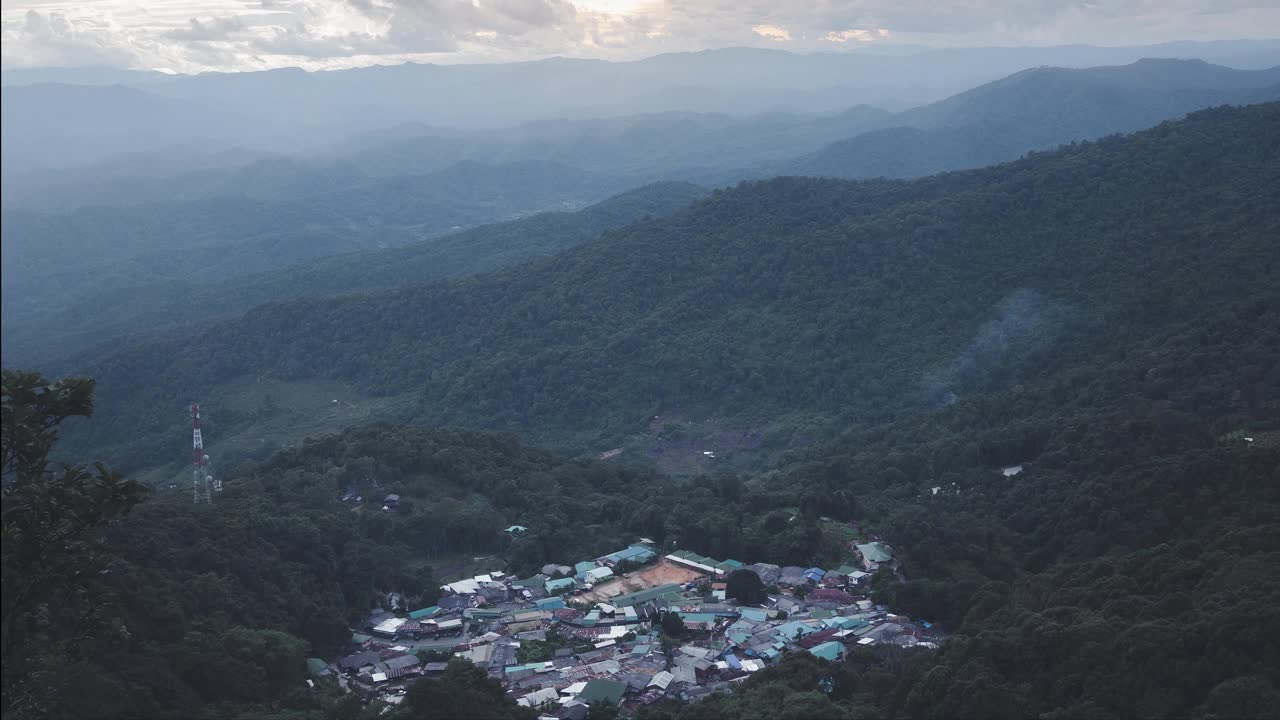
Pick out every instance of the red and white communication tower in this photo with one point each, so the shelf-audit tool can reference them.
(202, 474)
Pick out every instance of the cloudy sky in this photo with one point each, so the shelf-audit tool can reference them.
(197, 35)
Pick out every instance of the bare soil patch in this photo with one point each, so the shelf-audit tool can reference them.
(660, 574)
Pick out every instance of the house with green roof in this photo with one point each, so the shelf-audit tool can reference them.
(602, 691)
(556, 587)
(793, 630)
(641, 597)
(705, 620)
(828, 651)
(697, 562)
(874, 553)
(425, 613)
(551, 603)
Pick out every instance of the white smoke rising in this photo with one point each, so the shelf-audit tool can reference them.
(1024, 321)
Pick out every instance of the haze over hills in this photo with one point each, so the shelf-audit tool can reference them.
(280, 216)
(1030, 110)
(70, 125)
(51, 340)
(289, 109)
(788, 297)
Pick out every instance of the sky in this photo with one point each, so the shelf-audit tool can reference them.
(230, 35)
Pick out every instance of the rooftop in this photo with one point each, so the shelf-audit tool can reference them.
(876, 552)
(606, 691)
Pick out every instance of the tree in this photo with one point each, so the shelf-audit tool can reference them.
(672, 624)
(52, 543)
(463, 691)
(745, 587)
(602, 711)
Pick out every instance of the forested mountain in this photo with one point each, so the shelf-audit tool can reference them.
(787, 298)
(278, 216)
(262, 213)
(121, 312)
(1037, 109)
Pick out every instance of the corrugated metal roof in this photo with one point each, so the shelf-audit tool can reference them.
(875, 552)
(828, 650)
(562, 583)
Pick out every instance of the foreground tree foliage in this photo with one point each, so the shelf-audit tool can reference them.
(53, 518)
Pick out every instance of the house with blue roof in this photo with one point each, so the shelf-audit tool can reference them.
(636, 554)
(814, 574)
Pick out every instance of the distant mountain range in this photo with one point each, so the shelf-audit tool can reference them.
(791, 297)
(209, 228)
(1036, 109)
(294, 111)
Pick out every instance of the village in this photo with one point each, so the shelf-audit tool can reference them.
(626, 629)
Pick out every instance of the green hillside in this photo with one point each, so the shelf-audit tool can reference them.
(51, 338)
(268, 216)
(787, 298)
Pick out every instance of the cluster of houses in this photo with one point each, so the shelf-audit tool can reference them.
(612, 650)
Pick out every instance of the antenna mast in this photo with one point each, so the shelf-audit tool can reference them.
(202, 475)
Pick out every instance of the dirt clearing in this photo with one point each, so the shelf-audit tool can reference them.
(661, 574)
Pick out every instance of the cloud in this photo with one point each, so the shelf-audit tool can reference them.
(209, 30)
(772, 32)
(856, 35)
(249, 34)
